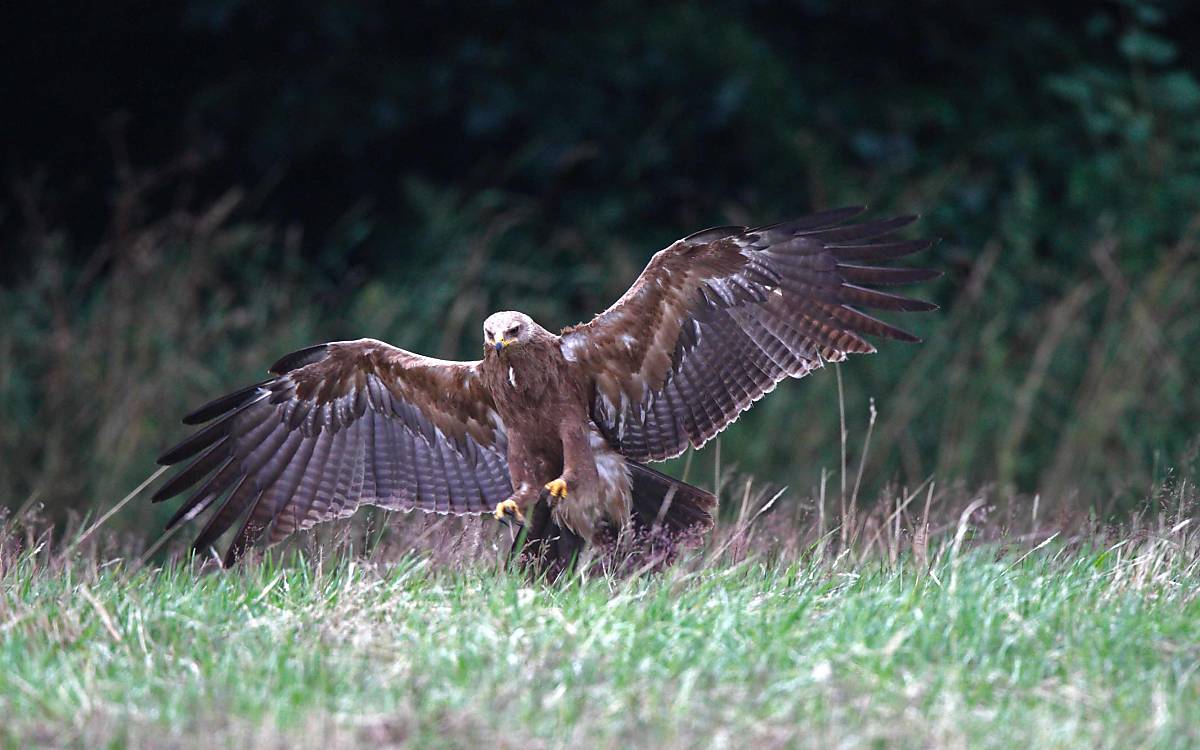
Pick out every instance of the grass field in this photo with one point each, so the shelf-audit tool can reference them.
(1069, 643)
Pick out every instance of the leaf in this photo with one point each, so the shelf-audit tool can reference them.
(1140, 44)
(1178, 90)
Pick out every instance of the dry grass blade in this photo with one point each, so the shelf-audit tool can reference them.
(102, 613)
(894, 516)
(116, 508)
(960, 534)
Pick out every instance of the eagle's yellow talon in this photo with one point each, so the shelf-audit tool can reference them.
(557, 488)
(507, 508)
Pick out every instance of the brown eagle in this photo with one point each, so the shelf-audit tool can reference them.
(548, 430)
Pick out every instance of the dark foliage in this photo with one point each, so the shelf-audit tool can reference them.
(194, 188)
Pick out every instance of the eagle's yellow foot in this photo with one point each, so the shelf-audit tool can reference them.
(557, 489)
(508, 510)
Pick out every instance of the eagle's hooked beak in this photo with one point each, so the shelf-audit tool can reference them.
(501, 343)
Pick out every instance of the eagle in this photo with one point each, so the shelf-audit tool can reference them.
(548, 431)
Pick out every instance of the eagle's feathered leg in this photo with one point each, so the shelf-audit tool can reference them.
(579, 465)
(575, 497)
(525, 473)
(561, 518)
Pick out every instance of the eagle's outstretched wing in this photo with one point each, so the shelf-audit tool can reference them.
(337, 425)
(719, 318)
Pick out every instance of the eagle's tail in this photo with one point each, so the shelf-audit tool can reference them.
(667, 515)
(664, 503)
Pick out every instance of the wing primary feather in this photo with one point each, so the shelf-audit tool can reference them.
(879, 250)
(201, 498)
(298, 359)
(819, 220)
(885, 276)
(195, 471)
(262, 509)
(246, 492)
(224, 404)
(291, 487)
(857, 295)
(250, 529)
(194, 443)
(229, 511)
(284, 493)
(865, 231)
(859, 321)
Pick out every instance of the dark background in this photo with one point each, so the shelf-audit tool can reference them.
(194, 188)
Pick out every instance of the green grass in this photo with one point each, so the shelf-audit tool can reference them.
(1058, 647)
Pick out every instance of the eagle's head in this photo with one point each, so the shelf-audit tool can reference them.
(503, 330)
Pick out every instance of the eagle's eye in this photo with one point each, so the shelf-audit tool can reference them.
(511, 333)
